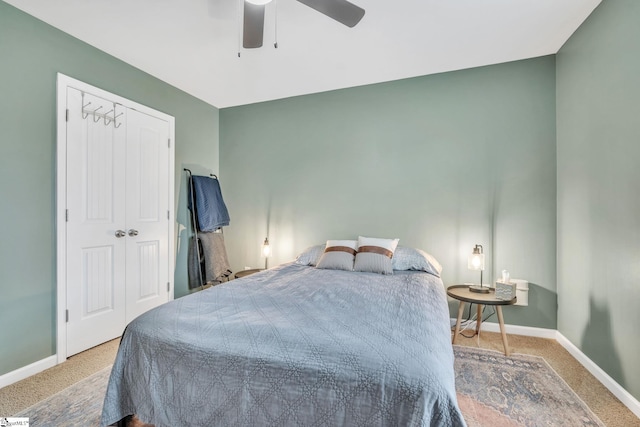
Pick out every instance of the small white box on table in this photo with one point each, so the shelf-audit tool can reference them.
(521, 291)
(505, 290)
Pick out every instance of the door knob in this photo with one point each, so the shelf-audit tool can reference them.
(133, 233)
(120, 233)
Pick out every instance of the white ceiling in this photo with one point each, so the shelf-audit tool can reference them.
(194, 44)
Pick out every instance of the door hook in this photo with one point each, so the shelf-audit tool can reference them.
(94, 114)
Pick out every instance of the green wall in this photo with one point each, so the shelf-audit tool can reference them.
(598, 115)
(31, 53)
(442, 162)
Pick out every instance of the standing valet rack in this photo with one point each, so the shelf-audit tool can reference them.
(194, 225)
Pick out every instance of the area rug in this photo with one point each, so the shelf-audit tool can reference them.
(519, 390)
(493, 391)
(77, 405)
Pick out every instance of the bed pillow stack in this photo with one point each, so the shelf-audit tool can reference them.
(403, 258)
(375, 255)
(338, 255)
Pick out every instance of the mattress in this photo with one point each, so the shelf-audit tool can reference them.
(292, 346)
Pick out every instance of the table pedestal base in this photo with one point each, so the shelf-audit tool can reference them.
(479, 324)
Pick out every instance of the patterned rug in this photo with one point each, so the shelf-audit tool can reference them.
(77, 405)
(493, 390)
(519, 390)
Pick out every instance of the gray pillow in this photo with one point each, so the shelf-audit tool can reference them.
(311, 255)
(375, 255)
(338, 255)
(416, 260)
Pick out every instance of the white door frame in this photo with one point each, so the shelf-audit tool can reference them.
(64, 82)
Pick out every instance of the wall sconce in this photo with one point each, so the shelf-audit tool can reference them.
(476, 262)
(266, 252)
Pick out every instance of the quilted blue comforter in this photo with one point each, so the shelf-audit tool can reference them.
(292, 346)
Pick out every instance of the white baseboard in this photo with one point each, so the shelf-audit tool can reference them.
(27, 371)
(527, 331)
(618, 391)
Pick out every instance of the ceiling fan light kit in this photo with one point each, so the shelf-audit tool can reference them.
(253, 22)
(253, 28)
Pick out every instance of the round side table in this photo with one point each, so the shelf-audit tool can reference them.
(463, 294)
(245, 273)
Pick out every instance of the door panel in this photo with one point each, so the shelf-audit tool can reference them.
(147, 192)
(97, 281)
(148, 261)
(95, 285)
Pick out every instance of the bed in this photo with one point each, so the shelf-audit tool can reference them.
(294, 345)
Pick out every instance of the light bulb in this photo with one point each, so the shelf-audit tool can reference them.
(476, 259)
(258, 2)
(266, 248)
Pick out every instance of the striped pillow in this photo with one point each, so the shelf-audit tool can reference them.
(338, 255)
(375, 255)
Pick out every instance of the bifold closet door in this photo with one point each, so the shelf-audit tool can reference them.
(117, 227)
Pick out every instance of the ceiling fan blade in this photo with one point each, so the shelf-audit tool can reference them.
(253, 27)
(341, 10)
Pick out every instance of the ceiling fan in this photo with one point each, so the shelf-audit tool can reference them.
(253, 29)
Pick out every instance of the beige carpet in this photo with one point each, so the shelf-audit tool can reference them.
(19, 396)
(611, 411)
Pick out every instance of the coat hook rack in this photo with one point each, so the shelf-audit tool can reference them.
(108, 118)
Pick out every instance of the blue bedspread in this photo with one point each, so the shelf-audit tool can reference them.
(292, 346)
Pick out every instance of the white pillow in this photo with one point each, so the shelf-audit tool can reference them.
(338, 255)
(375, 255)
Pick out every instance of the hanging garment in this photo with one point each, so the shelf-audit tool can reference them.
(195, 263)
(216, 263)
(211, 211)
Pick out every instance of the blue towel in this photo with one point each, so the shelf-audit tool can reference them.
(210, 208)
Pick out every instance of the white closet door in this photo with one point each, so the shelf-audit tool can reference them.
(147, 206)
(118, 261)
(96, 156)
